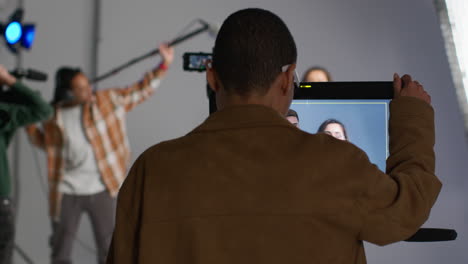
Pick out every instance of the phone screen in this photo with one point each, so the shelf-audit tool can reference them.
(196, 61)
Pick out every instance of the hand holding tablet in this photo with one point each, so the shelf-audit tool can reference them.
(406, 86)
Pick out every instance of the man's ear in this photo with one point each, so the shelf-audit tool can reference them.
(212, 78)
(288, 79)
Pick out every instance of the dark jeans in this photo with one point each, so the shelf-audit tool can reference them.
(7, 230)
(101, 210)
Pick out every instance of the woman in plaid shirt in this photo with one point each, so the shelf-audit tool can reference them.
(88, 152)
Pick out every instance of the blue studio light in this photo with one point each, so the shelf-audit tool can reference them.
(13, 32)
(29, 34)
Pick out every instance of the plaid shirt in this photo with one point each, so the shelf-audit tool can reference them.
(104, 123)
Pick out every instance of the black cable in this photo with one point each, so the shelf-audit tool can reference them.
(23, 254)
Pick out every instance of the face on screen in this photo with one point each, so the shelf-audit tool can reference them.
(293, 120)
(335, 130)
(361, 122)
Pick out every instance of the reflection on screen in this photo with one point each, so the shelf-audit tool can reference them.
(362, 122)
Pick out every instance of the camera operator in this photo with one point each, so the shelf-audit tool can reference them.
(19, 106)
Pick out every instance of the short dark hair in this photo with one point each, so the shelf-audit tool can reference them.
(317, 68)
(251, 47)
(292, 113)
(327, 122)
(63, 78)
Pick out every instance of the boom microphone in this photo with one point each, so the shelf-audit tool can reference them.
(29, 74)
(213, 28)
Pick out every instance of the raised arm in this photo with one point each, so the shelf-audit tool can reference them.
(135, 94)
(396, 204)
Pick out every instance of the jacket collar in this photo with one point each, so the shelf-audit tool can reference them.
(243, 116)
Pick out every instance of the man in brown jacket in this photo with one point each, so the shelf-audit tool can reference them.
(246, 186)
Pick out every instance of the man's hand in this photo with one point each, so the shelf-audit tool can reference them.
(406, 86)
(167, 54)
(6, 77)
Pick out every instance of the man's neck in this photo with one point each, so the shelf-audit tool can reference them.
(236, 100)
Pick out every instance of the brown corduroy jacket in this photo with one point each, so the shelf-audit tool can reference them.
(248, 187)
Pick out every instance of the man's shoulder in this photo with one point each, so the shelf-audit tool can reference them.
(327, 144)
(309, 143)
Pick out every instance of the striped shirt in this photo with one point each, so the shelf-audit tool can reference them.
(104, 121)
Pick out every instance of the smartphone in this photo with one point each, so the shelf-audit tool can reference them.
(196, 61)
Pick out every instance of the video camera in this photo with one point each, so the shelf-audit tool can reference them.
(30, 74)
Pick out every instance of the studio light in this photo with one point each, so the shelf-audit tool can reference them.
(18, 35)
(29, 33)
(13, 32)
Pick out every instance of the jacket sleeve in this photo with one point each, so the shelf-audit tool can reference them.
(394, 205)
(29, 109)
(134, 94)
(125, 240)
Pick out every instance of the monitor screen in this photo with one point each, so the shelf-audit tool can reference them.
(333, 110)
(361, 122)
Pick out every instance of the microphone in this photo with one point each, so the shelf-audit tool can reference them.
(30, 74)
(213, 28)
(433, 235)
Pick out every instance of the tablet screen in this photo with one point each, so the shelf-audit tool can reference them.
(361, 122)
(357, 112)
